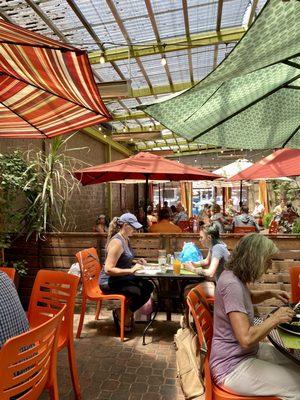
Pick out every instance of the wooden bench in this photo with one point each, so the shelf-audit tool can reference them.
(58, 250)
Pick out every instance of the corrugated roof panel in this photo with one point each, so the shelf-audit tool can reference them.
(233, 13)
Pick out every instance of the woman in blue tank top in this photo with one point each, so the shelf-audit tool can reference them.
(117, 276)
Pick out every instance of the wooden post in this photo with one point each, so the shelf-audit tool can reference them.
(108, 184)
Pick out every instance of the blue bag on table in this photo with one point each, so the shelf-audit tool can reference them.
(190, 252)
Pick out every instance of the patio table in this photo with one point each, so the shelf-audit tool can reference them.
(157, 278)
(275, 339)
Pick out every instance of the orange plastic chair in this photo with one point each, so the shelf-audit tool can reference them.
(273, 227)
(28, 362)
(90, 271)
(51, 291)
(295, 283)
(244, 229)
(184, 226)
(204, 327)
(11, 272)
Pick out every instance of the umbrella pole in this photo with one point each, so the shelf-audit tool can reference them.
(146, 200)
(241, 193)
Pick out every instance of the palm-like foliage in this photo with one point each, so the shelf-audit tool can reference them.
(50, 188)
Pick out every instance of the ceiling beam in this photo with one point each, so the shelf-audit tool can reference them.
(142, 135)
(188, 37)
(95, 134)
(226, 35)
(252, 12)
(163, 89)
(126, 117)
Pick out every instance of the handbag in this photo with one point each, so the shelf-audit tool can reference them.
(189, 361)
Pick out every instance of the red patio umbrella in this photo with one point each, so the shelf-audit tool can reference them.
(46, 87)
(142, 166)
(284, 162)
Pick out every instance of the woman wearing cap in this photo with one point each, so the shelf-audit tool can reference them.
(117, 276)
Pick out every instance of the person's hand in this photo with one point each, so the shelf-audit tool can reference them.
(141, 261)
(282, 315)
(136, 267)
(280, 295)
(189, 266)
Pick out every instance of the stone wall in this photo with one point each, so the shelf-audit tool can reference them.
(91, 200)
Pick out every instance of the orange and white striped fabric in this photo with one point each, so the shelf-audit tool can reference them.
(46, 87)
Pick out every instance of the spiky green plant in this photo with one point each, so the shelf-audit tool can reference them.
(51, 187)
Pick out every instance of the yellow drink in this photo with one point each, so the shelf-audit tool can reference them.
(176, 267)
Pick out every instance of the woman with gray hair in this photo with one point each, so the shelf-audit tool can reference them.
(238, 360)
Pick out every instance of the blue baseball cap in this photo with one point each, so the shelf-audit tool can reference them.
(130, 219)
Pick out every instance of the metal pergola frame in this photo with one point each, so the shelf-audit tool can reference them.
(135, 124)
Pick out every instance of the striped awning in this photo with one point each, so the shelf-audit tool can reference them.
(46, 87)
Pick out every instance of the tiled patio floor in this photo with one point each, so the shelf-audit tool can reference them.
(109, 369)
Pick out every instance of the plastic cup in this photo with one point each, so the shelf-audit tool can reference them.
(162, 253)
(176, 267)
(177, 255)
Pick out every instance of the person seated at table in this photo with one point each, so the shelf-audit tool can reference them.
(239, 361)
(151, 219)
(279, 209)
(164, 224)
(217, 217)
(100, 225)
(258, 210)
(244, 219)
(230, 209)
(13, 320)
(213, 265)
(181, 214)
(118, 274)
(173, 211)
(291, 213)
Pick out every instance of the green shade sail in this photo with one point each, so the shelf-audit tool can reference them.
(252, 99)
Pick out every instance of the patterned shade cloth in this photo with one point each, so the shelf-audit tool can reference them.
(46, 87)
(252, 99)
(283, 162)
(138, 167)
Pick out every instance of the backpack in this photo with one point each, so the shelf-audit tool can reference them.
(189, 361)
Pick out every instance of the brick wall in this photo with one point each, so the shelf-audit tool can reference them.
(91, 200)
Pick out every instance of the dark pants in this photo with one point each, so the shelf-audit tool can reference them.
(136, 290)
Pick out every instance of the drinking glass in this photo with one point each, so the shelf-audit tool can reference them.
(176, 266)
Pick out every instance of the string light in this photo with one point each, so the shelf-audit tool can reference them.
(131, 139)
(163, 61)
(150, 129)
(104, 136)
(124, 129)
(100, 128)
(102, 59)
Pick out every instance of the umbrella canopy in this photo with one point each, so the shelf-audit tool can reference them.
(284, 162)
(233, 168)
(46, 87)
(141, 166)
(252, 99)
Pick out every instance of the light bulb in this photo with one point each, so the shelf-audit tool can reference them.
(131, 139)
(124, 129)
(100, 128)
(163, 61)
(150, 129)
(222, 151)
(242, 149)
(104, 136)
(102, 59)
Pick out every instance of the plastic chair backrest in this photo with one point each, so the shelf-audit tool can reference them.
(28, 361)
(184, 226)
(204, 327)
(51, 291)
(244, 229)
(11, 272)
(295, 283)
(273, 227)
(90, 270)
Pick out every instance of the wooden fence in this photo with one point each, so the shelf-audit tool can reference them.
(57, 251)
